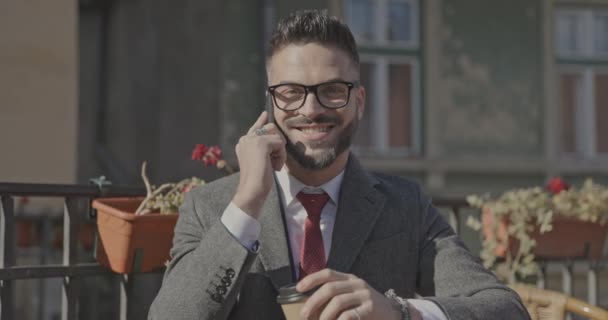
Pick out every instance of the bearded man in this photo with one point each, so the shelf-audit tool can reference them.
(303, 210)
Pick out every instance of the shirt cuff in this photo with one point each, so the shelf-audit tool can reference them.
(243, 227)
(428, 309)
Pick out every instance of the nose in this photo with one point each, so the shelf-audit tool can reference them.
(311, 107)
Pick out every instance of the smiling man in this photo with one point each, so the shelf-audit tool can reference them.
(303, 210)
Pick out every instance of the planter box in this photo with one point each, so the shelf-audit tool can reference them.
(570, 238)
(128, 242)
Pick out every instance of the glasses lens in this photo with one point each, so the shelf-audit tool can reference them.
(289, 96)
(333, 95)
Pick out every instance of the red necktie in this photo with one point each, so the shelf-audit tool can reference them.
(312, 254)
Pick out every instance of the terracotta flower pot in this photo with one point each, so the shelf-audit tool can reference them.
(570, 238)
(129, 242)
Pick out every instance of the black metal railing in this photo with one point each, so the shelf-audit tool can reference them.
(77, 211)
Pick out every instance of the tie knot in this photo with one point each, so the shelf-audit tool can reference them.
(313, 203)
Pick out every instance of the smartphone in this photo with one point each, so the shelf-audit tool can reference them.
(269, 108)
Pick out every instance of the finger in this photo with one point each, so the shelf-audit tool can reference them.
(266, 129)
(350, 314)
(262, 119)
(275, 144)
(327, 292)
(269, 128)
(320, 277)
(341, 305)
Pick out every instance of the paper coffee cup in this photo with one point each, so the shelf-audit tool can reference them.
(292, 301)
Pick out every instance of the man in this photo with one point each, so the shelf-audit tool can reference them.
(323, 222)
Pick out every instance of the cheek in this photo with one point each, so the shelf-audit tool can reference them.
(352, 115)
(279, 116)
(279, 120)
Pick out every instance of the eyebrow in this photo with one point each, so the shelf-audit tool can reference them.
(329, 80)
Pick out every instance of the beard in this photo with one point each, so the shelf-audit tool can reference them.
(322, 156)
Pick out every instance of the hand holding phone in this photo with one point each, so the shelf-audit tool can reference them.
(260, 152)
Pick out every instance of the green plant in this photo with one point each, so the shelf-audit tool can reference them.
(167, 197)
(528, 209)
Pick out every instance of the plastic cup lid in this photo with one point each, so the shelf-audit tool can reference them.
(289, 294)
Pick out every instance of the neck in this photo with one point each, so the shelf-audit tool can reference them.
(317, 177)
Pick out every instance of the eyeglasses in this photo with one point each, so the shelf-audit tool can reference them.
(331, 95)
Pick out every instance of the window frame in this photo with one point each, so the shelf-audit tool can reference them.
(377, 106)
(379, 30)
(381, 53)
(586, 63)
(586, 33)
(604, 13)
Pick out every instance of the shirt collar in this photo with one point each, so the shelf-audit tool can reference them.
(290, 186)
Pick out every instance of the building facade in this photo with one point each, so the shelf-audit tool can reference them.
(465, 96)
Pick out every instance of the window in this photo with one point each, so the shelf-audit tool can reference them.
(387, 33)
(581, 38)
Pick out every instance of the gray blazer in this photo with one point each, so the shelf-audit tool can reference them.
(386, 232)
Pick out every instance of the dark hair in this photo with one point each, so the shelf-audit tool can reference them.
(306, 26)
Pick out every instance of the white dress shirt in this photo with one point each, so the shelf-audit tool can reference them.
(247, 230)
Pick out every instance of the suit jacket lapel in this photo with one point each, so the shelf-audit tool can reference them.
(274, 250)
(359, 207)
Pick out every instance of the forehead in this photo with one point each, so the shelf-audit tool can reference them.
(309, 64)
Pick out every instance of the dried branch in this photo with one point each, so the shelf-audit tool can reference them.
(144, 176)
(151, 196)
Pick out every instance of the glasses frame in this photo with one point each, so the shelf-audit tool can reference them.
(313, 89)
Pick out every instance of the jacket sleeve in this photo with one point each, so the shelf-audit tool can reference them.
(456, 280)
(206, 271)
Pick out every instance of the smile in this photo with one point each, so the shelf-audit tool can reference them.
(315, 132)
(315, 129)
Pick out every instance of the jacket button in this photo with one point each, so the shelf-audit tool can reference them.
(230, 272)
(226, 281)
(221, 290)
(216, 297)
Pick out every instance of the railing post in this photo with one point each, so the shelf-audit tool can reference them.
(124, 296)
(73, 209)
(47, 238)
(592, 283)
(567, 277)
(567, 281)
(7, 256)
(541, 280)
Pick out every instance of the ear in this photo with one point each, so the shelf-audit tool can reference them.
(360, 100)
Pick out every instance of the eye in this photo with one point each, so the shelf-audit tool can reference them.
(290, 91)
(334, 89)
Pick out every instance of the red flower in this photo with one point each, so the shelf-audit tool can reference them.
(557, 185)
(216, 151)
(199, 152)
(208, 155)
(209, 160)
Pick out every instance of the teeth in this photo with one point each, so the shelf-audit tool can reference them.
(318, 129)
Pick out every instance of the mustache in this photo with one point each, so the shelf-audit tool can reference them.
(320, 119)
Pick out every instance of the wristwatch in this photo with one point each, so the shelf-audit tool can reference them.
(399, 303)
